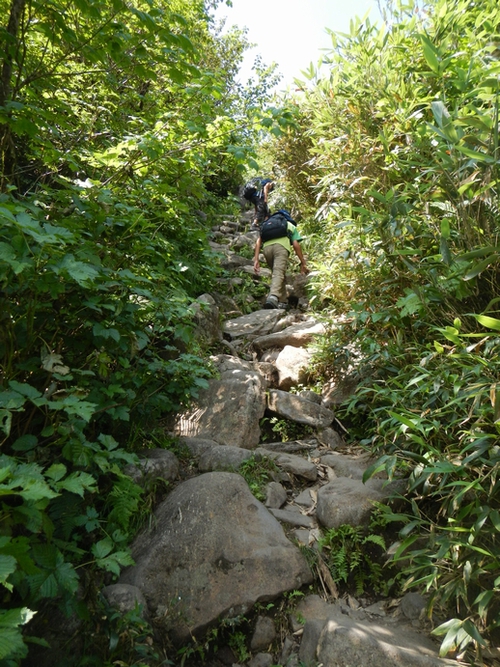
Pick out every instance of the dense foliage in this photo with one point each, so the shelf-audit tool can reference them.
(399, 167)
(122, 130)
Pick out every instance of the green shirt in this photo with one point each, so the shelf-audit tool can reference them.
(293, 235)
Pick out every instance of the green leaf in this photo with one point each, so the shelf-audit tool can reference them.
(102, 548)
(431, 54)
(25, 443)
(473, 632)
(78, 482)
(11, 643)
(445, 228)
(74, 405)
(8, 565)
(56, 472)
(24, 389)
(489, 322)
(478, 156)
(483, 601)
(404, 420)
(495, 519)
(84, 274)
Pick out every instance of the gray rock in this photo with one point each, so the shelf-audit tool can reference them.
(297, 335)
(286, 650)
(264, 634)
(348, 501)
(214, 552)
(329, 437)
(230, 409)
(154, 463)
(197, 446)
(345, 642)
(309, 643)
(291, 446)
(124, 598)
(309, 395)
(309, 608)
(304, 498)
(347, 466)
(251, 325)
(292, 364)
(276, 495)
(261, 660)
(269, 372)
(412, 605)
(302, 536)
(298, 410)
(221, 457)
(235, 261)
(295, 465)
(335, 393)
(293, 518)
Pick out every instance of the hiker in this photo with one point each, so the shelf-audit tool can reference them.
(262, 211)
(276, 252)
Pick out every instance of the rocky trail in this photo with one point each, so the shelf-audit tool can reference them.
(218, 560)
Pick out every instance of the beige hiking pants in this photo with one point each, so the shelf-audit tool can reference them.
(277, 259)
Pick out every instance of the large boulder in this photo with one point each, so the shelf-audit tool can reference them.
(154, 463)
(296, 335)
(292, 364)
(345, 642)
(214, 552)
(297, 409)
(349, 501)
(229, 411)
(251, 325)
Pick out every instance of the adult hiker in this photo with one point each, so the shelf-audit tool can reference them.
(262, 211)
(277, 237)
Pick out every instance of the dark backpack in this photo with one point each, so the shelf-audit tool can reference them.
(253, 189)
(275, 227)
(287, 216)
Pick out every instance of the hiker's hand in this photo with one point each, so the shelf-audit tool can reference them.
(256, 266)
(303, 269)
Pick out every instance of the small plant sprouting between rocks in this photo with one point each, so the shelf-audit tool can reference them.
(257, 473)
(285, 429)
(353, 556)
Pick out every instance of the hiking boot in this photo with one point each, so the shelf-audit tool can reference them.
(282, 306)
(271, 302)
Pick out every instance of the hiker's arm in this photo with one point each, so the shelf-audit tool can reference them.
(298, 252)
(256, 263)
(266, 189)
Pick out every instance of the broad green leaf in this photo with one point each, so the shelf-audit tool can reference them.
(489, 322)
(78, 482)
(495, 519)
(37, 490)
(24, 389)
(11, 643)
(444, 249)
(102, 548)
(479, 252)
(483, 601)
(445, 228)
(471, 630)
(25, 443)
(74, 405)
(404, 420)
(478, 156)
(56, 471)
(81, 272)
(8, 565)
